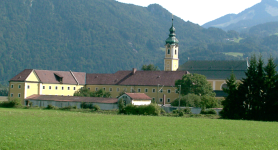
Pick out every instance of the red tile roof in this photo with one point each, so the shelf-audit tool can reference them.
(138, 96)
(143, 78)
(22, 76)
(73, 99)
(81, 77)
(48, 76)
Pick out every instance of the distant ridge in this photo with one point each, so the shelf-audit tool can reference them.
(265, 11)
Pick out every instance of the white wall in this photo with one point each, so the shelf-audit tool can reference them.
(138, 103)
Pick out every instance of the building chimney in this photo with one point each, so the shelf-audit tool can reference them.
(164, 99)
(134, 71)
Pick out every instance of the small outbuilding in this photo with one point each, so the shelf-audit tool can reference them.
(136, 99)
(65, 101)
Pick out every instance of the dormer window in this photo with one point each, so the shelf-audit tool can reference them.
(168, 51)
(58, 77)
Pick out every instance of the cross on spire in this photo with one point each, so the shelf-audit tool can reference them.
(172, 20)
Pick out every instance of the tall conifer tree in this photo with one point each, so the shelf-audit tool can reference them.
(248, 87)
(271, 82)
(233, 106)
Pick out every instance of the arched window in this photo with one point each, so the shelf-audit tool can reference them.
(175, 52)
(224, 86)
(168, 51)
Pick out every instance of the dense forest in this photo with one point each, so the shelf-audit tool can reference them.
(104, 36)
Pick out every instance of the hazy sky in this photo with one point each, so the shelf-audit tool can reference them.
(199, 11)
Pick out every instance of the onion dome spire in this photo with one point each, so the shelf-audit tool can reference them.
(172, 36)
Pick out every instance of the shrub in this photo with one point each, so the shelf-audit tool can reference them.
(175, 111)
(162, 111)
(66, 108)
(121, 106)
(189, 100)
(208, 111)
(187, 111)
(181, 113)
(86, 106)
(151, 109)
(15, 102)
(96, 107)
(209, 102)
(51, 107)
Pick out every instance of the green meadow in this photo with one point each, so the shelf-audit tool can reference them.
(235, 54)
(237, 40)
(56, 129)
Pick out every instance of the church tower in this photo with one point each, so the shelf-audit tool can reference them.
(171, 60)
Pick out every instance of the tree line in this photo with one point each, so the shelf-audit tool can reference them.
(254, 97)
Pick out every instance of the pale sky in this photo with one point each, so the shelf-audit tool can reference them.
(198, 11)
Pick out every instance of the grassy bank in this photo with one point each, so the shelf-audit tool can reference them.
(55, 129)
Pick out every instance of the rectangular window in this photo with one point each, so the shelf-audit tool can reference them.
(161, 91)
(96, 89)
(28, 86)
(89, 88)
(146, 90)
(104, 89)
(118, 89)
(169, 91)
(110, 89)
(177, 91)
(68, 88)
(49, 87)
(161, 100)
(19, 94)
(43, 87)
(131, 90)
(12, 86)
(168, 100)
(139, 90)
(19, 86)
(56, 87)
(62, 88)
(153, 90)
(12, 95)
(74, 88)
(153, 99)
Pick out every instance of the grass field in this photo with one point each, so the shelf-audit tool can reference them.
(235, 54)
(3, 98)
(54, 129)
(237, 40)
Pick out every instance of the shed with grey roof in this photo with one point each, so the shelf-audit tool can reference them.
(65, 101)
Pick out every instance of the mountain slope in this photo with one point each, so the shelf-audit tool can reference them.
(92, 36)
(265, 11)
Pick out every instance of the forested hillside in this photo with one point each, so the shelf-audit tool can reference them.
(89, 35)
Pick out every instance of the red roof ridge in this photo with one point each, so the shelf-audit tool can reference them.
(138, 96)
